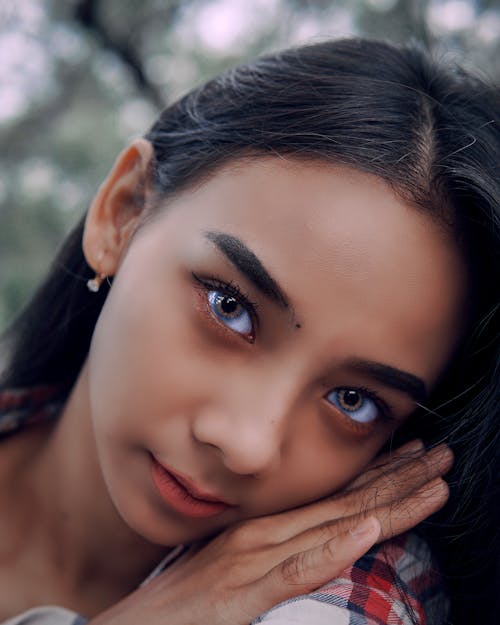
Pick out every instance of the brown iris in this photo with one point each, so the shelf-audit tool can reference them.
(349, 399)
(226, 305)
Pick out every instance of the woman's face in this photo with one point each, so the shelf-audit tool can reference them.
(264, 336)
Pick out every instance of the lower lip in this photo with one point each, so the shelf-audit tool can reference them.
(173, 493)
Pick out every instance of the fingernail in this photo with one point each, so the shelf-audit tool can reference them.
(365, 528)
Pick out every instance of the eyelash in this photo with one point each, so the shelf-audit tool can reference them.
(385, 411)
(383, 406)
(231, 289)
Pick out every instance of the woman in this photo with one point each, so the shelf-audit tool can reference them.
(292, 263)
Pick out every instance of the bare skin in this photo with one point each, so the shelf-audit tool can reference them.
(256, 563)
(375, 280)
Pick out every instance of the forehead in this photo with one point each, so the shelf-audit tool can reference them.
(356, 261)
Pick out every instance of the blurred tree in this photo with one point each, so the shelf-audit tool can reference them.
(79, 78)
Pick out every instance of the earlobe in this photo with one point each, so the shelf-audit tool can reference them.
(115, 211)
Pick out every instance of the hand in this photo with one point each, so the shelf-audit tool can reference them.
(258, 563)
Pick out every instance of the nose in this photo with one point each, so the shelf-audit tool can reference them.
(248, 433)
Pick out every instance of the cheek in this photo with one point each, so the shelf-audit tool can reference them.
(143, 363)
(317, 463)
(326, 469)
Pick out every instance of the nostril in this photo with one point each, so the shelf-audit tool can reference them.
(246, 441)
(253, 457)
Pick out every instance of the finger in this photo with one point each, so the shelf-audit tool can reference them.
(409, 512)
(390, 486)
(307, 570)
(394, 519)
(401, 478)
(396, 484)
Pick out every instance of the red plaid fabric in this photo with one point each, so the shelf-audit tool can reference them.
(395, 583)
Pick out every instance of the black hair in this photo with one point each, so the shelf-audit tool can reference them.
(432, 132)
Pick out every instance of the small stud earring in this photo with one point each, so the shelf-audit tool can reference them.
(94, 284)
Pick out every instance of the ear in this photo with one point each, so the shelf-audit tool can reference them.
(115, 211)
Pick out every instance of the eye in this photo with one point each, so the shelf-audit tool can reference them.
(230, 312)
(355, 403)
(229, 305)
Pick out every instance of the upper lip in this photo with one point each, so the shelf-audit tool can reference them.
(192, 488)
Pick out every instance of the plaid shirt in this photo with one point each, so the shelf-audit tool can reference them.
(393, 584)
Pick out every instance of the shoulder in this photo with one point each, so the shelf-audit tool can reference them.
(395, 583)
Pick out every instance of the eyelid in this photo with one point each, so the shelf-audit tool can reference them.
(385, 411)
(382, 405)
(216, 283)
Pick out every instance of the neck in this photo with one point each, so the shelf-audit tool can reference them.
(67, 507)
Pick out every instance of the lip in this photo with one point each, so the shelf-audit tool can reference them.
(183, 494)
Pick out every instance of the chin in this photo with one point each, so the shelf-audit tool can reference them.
(158, 527)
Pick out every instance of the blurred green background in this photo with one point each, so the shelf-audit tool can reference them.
(80, 78)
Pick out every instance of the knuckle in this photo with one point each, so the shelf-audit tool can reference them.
(332, 529)
(404, 478)
(329, 550)
(293, 569)
(363, 498)
(387, 475)
(370, 497)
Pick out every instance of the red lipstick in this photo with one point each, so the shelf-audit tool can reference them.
(183, 495)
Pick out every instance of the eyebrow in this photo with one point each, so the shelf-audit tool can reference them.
(403, 381)
(247, 262)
